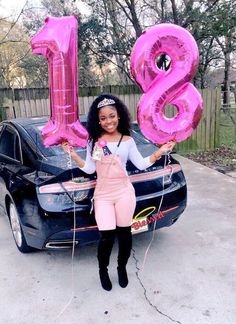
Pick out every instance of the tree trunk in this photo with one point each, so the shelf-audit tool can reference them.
(135, 21)
(226, 82)
(115, 33)
(162, 10)
(175, 13)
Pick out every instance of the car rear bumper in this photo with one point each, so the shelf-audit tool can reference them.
(57, 230)
(147, 217)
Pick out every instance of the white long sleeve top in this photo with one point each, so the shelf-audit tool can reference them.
(127, 150)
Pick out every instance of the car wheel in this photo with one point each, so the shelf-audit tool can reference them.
(17, 230)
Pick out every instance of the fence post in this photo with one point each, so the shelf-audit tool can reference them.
(8, 106)
(217, 117)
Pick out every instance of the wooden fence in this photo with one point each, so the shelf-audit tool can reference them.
(35, 102)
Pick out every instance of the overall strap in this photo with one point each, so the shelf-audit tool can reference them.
(106, 150)
(120, 140)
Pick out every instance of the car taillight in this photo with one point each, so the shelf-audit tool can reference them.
(63, 193)
(69, 186)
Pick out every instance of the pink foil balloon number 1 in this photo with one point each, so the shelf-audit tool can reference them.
(57, 42)
(166, 87)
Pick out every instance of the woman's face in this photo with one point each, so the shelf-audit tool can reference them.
(108, 118)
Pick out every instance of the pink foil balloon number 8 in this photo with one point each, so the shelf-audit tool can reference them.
(57, 42)
(166, 87)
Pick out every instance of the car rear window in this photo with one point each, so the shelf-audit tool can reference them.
(35, 132)
(139, 138)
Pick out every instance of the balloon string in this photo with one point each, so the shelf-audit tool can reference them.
(159, 208)
(169, 166)
(69, 165)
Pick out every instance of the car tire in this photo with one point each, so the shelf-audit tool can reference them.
(17, 230)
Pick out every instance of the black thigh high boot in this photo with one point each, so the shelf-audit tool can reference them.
(124, 236)
(105, 245)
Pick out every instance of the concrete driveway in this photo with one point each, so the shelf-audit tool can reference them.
(188, 277)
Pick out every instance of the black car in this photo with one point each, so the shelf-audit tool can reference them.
(48, 198)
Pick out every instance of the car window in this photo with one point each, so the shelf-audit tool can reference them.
(137, 135)
(35, 132)
(26, 160)
(9, 144)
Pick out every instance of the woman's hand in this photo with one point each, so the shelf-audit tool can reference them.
(165, 148)
(68, 149)
(168, 147)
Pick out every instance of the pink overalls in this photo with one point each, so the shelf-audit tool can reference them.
(114, 196)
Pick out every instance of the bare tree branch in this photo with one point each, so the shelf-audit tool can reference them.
(14, 41)
(14, 23)
(113, 62)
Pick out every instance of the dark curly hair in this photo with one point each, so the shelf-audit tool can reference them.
(93, 126)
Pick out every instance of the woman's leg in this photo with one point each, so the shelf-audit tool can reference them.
(124, 236)
(106, 221)
(124, 207)
(105, 245)
(104, 214)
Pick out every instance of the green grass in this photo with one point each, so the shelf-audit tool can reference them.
(224, 156)
(228, 130)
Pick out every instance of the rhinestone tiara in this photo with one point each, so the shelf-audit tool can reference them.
(106, 102)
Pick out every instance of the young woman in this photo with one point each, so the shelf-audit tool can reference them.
(108, 149)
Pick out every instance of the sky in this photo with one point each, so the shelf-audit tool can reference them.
(9, 7)
(13, 7)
